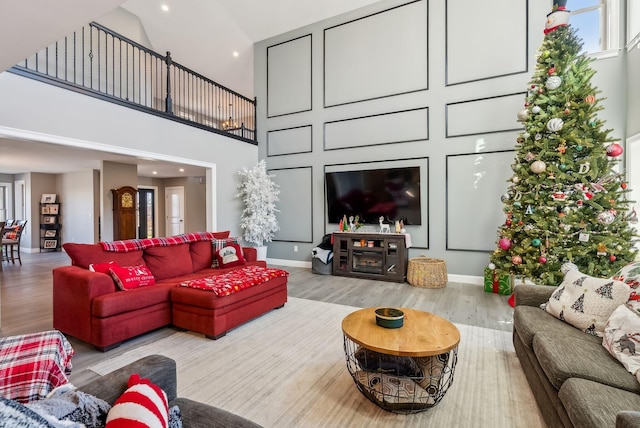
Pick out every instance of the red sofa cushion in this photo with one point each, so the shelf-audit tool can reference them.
(169, 262)
(82, 255)
(112, 304)
(201, 255)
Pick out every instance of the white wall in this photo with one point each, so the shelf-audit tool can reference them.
(447, 103)
(35, 110)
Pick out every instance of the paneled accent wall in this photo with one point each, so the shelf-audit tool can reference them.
(289, 71)
(429, 83)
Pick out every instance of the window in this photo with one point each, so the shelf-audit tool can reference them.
(598, 24)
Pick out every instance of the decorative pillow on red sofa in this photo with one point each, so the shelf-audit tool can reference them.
(218, 244)
(230, 256)
(143, 404)
(168, 262)
(82, 255)
(102, 267)
(131, 277)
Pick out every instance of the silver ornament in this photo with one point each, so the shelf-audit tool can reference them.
(536, 109)
(553, 82)
(522, 115)
(555, 124)
(505, 197)
(606, 217)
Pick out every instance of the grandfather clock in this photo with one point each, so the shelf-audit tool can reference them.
(124, 213)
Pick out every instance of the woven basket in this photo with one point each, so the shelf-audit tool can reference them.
(427, 273)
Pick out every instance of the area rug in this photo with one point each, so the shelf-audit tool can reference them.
(287, 368)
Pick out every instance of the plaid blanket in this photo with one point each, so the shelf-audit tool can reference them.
(140, 244)
(32, 365)
(234, 281)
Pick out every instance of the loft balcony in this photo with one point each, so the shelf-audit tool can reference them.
(103, 64)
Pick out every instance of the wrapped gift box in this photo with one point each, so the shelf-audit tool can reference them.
(500, 284)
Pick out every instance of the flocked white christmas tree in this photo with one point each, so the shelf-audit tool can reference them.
(259, 194)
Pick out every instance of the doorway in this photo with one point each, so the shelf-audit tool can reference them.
(174, 209)
(146, 213)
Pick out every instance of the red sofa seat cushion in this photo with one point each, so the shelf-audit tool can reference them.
(168, 262)
(82, 255)
(112, 304)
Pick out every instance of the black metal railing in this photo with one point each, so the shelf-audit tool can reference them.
(107, 65)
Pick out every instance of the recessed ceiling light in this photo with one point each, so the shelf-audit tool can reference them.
(165, 8)
(181, 169)
(236, 54)
(154, 172)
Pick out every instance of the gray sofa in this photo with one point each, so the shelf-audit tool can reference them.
(575, 380)
(162, 371)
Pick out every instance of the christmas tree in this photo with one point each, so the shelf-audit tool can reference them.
(565, 202)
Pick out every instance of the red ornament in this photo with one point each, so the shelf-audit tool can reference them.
(567, 111)
(542, 259)
(508, 222)
(612, 258)
(552, 70)
(520, 223)
(614, 150)
(623, 185)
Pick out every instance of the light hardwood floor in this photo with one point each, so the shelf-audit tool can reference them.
(26, 303)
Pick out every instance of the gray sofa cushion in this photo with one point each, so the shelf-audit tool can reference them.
(528, 320)
(196, 415)
(566, 356)
(594, 405)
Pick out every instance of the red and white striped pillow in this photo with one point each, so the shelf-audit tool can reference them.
(143, 405)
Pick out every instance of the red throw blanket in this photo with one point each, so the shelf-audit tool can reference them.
(140, 244)
(234, 281)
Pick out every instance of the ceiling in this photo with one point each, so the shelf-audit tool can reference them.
(189, 28)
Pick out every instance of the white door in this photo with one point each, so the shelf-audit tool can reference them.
(174, 209)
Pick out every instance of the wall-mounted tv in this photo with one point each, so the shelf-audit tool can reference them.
(393, 193)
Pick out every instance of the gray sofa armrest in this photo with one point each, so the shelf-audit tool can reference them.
(532, 295)
(628, 419)
(199, 415)
(157, 368)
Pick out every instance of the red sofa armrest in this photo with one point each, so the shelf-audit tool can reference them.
(250, 254)
(74, 289)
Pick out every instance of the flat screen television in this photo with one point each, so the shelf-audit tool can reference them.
(393, 193)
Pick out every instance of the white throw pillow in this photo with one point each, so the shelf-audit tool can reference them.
(622, 338)
(586, 302)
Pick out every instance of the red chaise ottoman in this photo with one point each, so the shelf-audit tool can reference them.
(214, 305)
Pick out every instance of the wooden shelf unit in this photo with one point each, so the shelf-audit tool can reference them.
(381, 256)
(50, 227)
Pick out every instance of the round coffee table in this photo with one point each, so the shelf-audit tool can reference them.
(403, 370)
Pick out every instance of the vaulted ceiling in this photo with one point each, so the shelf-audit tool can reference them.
(200, 34)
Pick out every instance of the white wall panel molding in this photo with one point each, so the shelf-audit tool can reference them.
(385, 128)
(289, 77)
(369, 57)
(475, 182)
(485, 39)
(484, 115)
(296, 195)
(290, 141)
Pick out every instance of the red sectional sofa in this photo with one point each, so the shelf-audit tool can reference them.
(89, 306)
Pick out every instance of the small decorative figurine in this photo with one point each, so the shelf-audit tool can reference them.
(384, 228)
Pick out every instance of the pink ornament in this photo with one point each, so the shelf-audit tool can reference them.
(614, 150)
(516, 260)
(612, 258)
(504, 243)
(542, 259)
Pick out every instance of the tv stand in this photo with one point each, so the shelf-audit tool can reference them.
(381, 256)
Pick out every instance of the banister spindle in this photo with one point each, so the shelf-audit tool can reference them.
(168, 102)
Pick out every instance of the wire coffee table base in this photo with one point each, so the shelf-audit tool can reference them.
(400, 384)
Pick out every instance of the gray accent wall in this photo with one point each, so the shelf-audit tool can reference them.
(435, 84)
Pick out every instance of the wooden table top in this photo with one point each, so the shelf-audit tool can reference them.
(423, 334)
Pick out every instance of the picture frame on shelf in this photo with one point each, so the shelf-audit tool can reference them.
(49, 219)
(50, 243)
(44, 209)
(48, 198)
(53, 209)
(51, 233)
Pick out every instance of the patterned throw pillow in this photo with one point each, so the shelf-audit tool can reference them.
(630, 275)
(622, 338)
(219, 244)
(144, 404)
(586, 302)
(102, 267)
(131, 277)
(230, 256)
